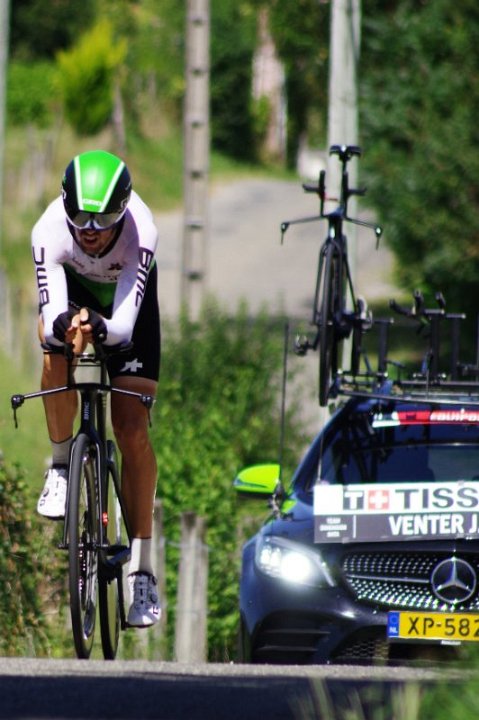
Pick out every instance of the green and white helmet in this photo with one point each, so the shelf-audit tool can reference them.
(96, 189)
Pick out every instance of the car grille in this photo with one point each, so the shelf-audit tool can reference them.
(399, 579)
(372, 647)
(288, 638)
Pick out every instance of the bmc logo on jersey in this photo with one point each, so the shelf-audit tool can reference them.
(145, 259)
(41, 273)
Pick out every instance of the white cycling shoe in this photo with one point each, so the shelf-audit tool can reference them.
(145, 608)
(52, 501)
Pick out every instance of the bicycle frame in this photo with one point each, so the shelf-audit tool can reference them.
(334, 290)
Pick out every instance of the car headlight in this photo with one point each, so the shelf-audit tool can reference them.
(287, 560)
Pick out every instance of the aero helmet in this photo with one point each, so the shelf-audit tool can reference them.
(96, 188)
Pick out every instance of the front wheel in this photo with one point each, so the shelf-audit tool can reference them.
(109, 598)
(82, 545)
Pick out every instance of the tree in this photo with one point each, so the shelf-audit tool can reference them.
(38, 31)
(420, 93)
(301, 32)
(156, 52)
(87, 75)
(233, 35)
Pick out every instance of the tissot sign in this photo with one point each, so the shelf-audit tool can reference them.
(387, 512)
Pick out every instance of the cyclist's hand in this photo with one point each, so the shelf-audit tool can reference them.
(92, 325)
(63, 329)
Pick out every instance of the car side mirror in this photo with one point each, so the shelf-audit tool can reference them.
(261, 481)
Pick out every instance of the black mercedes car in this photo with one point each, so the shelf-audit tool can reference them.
(372, 553)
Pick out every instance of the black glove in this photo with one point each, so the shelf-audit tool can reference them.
(98, 326)
(62, 323)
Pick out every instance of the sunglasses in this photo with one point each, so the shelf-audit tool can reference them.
(83, 220)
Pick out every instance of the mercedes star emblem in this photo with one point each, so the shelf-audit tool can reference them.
(453, 581)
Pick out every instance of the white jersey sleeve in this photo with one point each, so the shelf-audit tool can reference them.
(51, 241)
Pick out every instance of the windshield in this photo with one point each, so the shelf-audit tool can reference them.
(406, 447)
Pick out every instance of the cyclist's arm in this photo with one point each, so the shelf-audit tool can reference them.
(49, 237)
(140, 255)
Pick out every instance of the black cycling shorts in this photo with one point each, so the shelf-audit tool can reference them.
(143, 360)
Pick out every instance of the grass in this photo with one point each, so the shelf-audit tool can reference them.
(26, 445)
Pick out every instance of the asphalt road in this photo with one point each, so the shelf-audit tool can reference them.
(36, 689)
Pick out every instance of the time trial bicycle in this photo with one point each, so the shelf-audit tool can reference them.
(95, 532)
(337, 311)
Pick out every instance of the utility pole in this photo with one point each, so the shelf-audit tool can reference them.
(344, 47)
(196, 155)
(345, 39)
(4, 35)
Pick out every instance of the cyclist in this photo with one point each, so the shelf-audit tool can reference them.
(93, 250)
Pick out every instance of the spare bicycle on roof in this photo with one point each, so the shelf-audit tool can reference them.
(339, 313)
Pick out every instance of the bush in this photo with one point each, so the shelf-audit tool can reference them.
(218, 410)
(22, 628)
(31, 93)
(86, 75)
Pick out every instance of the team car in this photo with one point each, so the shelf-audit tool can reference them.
(372, 552)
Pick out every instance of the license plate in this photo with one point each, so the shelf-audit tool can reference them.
(452, 627)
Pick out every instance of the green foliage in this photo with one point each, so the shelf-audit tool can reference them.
(155, 168)
(218, 411)
(420, 93)
(456, 695)
(156, 51)
(301, 33)
(233, 37)
(87, 76)
(22, 629)
(38, 30)
(261, 115)
(31, 93)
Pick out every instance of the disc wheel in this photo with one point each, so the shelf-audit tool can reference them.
(327, 345)
(109, 578)
(82, 540)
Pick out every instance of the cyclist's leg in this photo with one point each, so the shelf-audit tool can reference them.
(60, 411)
(138, 371)
(138, 471)
(138, 486)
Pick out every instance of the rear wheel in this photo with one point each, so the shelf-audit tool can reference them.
(325, 319)
(109, 578)
(82, 543)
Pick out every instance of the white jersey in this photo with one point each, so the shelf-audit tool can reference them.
(117, 276)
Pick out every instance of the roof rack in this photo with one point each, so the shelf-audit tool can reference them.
(436, 380)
